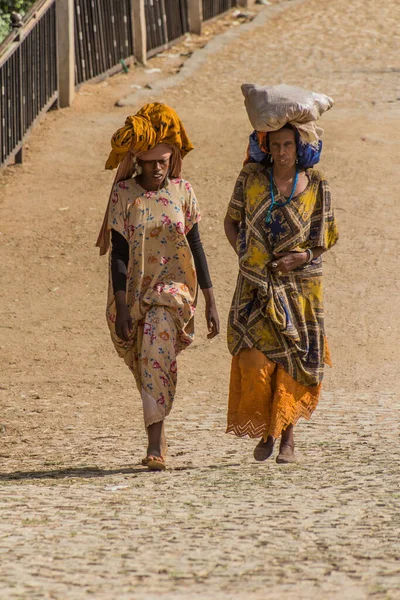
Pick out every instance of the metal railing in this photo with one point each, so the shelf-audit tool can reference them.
(156, 25)
(213, 8)
(99, 44)
(103, 37)
(28, 77)
(177, 19)
(166, 21)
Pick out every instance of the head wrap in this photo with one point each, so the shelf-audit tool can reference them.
(308, 155)
(153, 124)
(156, 126)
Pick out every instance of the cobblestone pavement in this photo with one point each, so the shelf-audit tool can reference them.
(217, 524)
(80, 517)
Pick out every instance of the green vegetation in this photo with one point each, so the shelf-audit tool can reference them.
(6, 8)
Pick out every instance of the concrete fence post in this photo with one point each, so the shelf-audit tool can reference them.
(195, 14)
(139, 31)
(65, 52)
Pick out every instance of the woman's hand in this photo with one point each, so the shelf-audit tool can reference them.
(123, 322)
(212, 317)
(285, 262)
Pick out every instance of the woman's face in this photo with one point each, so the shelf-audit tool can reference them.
(282, 146)
(154, 171)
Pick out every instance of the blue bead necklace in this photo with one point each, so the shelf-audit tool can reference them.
(275, 204)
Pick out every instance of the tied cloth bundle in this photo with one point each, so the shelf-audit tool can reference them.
(271, 107)
(156, 128)
(153, 124)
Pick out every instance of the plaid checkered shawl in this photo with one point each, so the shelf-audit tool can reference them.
(280, 315)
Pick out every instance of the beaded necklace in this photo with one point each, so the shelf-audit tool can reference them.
(275, 204)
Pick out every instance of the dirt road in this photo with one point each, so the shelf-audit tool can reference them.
(79, 516)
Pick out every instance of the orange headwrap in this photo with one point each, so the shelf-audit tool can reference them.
(155, 124)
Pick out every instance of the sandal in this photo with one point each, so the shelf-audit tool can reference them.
(263, 450)
(154, 463)
(285, 459)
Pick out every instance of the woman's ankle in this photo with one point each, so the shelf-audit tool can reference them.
(287, 438)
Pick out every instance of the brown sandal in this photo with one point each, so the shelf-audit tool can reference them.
(285, 459)
(154, 463)
(263, 450)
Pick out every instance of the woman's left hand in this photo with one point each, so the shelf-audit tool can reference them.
(285, 262)
(212, 320)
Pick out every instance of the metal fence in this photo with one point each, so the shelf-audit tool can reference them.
(28, 78)
(177, 18)
(156, 25)
(213, 8)
(103, 40)
(166, 21)
(103, 37)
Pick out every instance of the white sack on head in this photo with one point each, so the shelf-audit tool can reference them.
(270, 107)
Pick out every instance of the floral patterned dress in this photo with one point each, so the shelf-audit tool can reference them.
(161, 285)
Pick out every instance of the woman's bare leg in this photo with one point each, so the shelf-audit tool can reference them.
(155, 434)
(164, 445)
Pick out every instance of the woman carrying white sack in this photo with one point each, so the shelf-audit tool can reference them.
(279, 221)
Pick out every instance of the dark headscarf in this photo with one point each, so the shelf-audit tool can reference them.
(308, 155)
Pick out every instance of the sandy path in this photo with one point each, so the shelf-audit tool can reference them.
(79, 517)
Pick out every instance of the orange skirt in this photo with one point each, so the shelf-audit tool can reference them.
(264, 399)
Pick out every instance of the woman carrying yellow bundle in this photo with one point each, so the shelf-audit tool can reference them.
(157, 261)
(279, 221)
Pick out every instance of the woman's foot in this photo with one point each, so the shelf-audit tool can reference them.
(286, 454)
(155, 462)
(263, 450)
(286, 449)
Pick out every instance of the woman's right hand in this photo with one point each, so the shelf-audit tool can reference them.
(285, 262)
(123, 323)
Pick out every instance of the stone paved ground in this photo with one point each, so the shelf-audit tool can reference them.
(80, 517)
(216, 525)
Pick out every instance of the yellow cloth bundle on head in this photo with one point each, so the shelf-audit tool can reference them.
(154, 124)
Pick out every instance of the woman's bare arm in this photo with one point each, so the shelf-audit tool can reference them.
(231, 230)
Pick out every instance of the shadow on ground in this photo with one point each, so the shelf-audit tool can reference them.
(89, 472)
